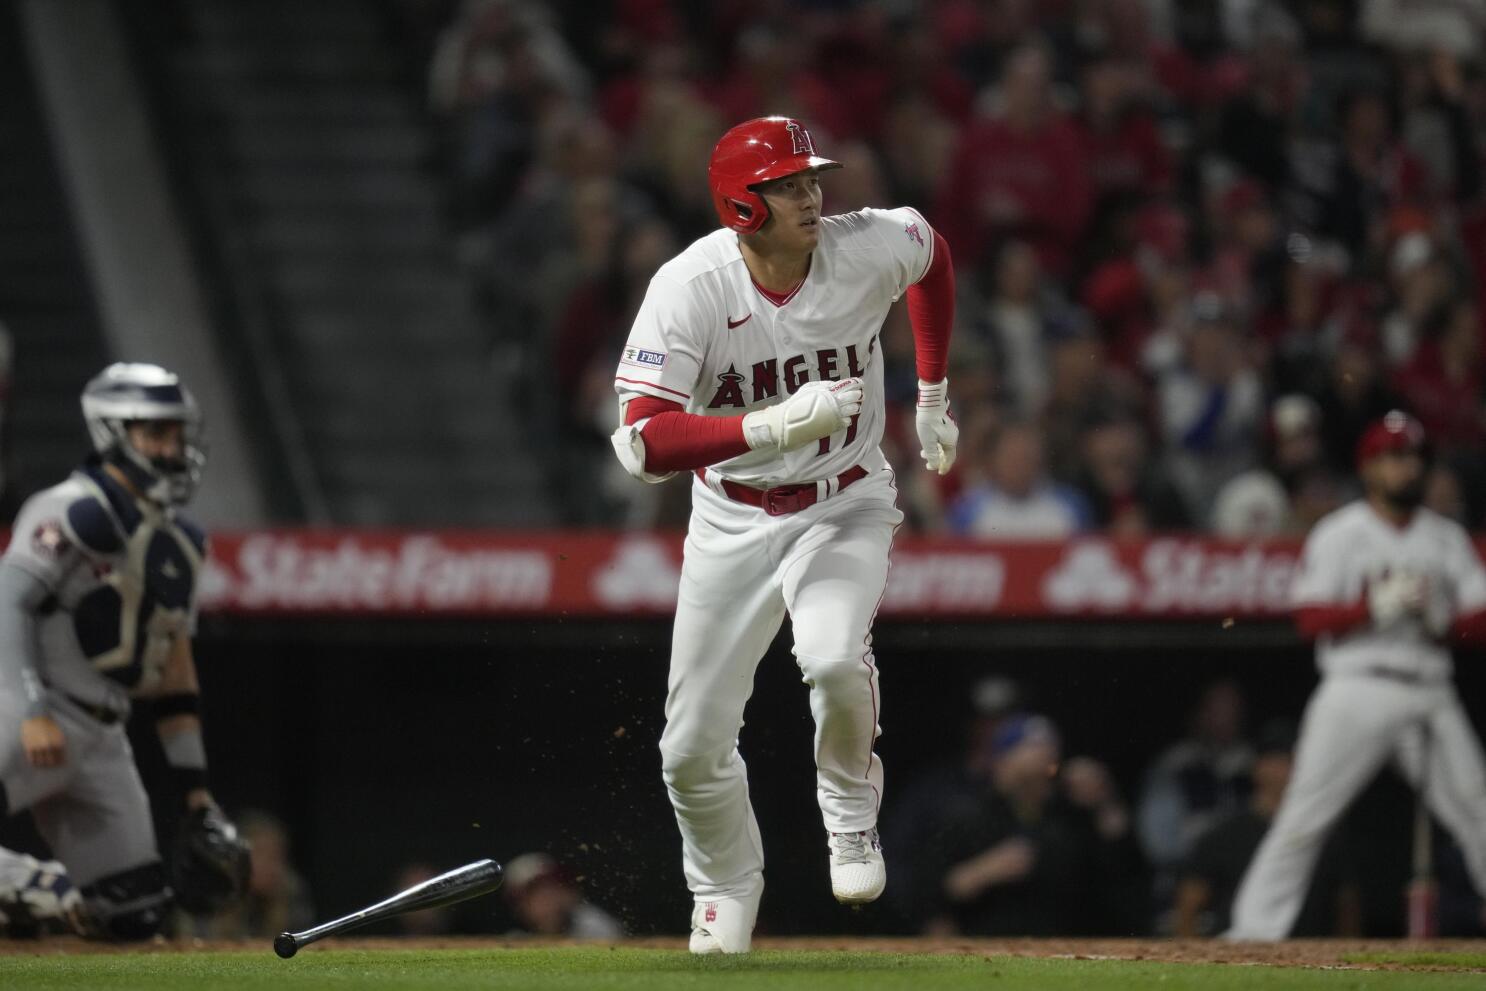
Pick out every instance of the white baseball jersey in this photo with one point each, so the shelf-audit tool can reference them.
(1353, 545)
(707, 338)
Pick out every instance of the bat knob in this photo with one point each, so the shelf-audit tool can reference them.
(285, 946)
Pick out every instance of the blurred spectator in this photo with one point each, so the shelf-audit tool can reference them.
(1353, 394)
(1445, 493)
(1139, 297)
(1126, 493)
(277, 899)
(496, 72)
(1012, 857)
(428, 921)
(1422, 284)
(1019, 172)
(1212, 872)
(1017, 318)
(915, 814)
(1443, 384)
(1015, 499)
(1424, 25)
(1126, 156)
(1293, 489)
(1082, 387)
(773, 73)
(1211, 404)
(1256, 126)
(1372, 172)
(547, 901)
(1195, 782)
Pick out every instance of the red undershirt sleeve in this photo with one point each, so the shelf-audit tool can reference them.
(931, 311)
(676, 440)
(1470, 629)
(1313, 621)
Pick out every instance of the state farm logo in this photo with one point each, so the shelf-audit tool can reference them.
(1089, 577)
(1171, 576)
(419, 572)
(641, 573)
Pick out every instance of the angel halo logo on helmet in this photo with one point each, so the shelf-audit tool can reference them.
(752, 153)
(125, 393)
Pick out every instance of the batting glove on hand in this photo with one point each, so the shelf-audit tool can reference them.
(1395, 596)
(937, 433)
(818, 410)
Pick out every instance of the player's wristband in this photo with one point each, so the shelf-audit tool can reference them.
(185, 753)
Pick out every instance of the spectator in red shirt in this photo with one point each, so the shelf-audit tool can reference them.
(1020, 172)
(773, 75)
(1443, 384)
(1125, 153)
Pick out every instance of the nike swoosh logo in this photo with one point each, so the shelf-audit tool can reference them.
(738, 323)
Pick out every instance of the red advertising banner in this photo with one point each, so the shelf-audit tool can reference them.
(610, 575)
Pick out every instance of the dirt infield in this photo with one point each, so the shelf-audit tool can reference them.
(1296, 953)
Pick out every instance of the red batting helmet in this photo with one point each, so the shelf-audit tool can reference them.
(1396, 431)
(753, 152)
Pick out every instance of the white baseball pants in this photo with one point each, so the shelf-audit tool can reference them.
(1352, 726)
(826, 566)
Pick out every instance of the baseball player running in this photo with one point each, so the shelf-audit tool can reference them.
(754, 363)
(97, 608)
(1384, 586)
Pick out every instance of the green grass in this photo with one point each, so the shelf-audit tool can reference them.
(1420, 958)
(602, 969)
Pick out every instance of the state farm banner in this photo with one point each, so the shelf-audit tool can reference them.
(612, 575)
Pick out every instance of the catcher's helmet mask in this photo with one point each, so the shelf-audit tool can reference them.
(751, 154)
(126, 393)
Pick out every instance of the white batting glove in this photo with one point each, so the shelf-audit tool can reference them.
(1395, 596)
(937, 432)
(818, 410)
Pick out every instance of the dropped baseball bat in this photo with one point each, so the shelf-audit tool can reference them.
(469, 881)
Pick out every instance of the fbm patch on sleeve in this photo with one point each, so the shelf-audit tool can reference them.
(641, 358)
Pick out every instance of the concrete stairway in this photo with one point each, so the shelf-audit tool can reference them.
(45, 299)
(332, 214)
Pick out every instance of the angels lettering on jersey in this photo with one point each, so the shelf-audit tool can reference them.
(123, 576)
(707, 337)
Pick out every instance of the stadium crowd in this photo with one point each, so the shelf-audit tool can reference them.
(1198, 244)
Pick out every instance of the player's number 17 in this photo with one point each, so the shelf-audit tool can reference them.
(824, 444)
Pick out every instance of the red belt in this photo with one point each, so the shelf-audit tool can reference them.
(786, 498)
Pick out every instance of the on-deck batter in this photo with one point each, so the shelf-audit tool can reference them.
(1383, 585)
(754, 361)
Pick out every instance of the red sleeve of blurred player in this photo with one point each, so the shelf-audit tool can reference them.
(676, 440)
(1470, 629)
(1313, 621)
(931, 311)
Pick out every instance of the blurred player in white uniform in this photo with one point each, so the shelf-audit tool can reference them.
(1384, 586)
(754, 362)
(97, 609)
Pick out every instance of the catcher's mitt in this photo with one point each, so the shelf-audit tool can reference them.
(210, 868)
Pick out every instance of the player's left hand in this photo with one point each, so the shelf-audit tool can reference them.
(938, 435)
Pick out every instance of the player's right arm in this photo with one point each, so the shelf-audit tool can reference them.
(43, 550)
(1319, 594)
(659, 370)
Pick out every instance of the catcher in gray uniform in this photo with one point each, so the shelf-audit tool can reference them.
(97, 610)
